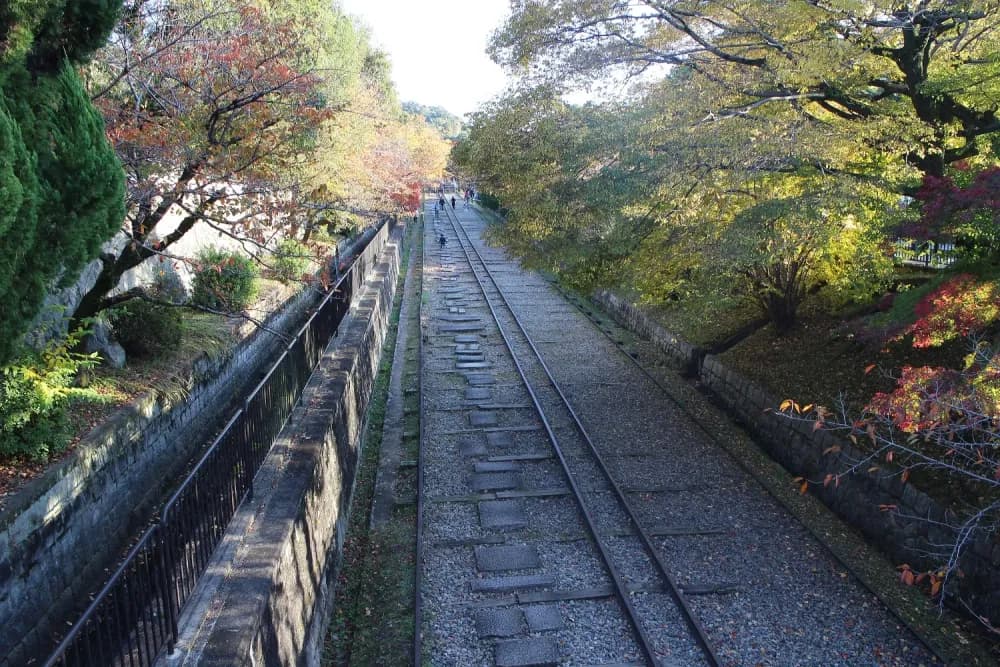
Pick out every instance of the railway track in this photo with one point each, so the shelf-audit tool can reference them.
(539, 547)
(633, 575)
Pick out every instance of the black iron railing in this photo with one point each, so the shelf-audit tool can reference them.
(134, 617)
(928, 254)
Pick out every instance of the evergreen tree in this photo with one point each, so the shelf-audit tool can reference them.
(61, 187)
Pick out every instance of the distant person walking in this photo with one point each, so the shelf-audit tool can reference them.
(453, 202)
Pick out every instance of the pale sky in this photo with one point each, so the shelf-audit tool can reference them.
(437, 48)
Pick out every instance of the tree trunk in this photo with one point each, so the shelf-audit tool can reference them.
(90, 304)
(782, 313)
(131, 256)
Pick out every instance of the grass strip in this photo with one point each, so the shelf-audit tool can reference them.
(372, 622)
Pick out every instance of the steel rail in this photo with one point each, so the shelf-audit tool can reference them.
(621, 590)
(693, 623)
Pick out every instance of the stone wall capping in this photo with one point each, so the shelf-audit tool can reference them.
(272, 605)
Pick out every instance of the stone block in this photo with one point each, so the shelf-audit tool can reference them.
(915, 501)
(478, 418)
(495, 481)
(473, 365)
(461, 327)
(542, 618)
(472, 447)
(507, 557)
(478, 394)
(502, 514)
(499, 622)
(480, 379)
(500, 439)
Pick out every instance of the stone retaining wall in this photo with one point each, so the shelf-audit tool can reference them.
(906, 534)
(271, 599)
(682, 354)
(60, 533)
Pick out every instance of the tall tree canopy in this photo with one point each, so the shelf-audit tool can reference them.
(915, 81)
(448, 124)
(732, 108)
(61, 187)
(234, 114)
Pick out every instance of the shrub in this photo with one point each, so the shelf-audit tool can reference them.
(489, 201)
(146, 330)
(961, 306)
(224, 281)
(34, 390)
(168, 286)
(291, 260)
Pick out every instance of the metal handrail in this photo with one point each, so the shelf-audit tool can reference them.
(134, 616)
(164, 513)
(920, 253)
